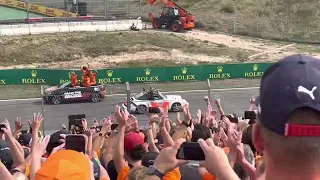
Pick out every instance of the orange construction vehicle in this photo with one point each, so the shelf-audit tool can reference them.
(172, 17)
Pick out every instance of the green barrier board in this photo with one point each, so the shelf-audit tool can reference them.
(137, 75)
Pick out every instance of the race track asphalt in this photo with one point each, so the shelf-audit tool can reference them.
(232, 100)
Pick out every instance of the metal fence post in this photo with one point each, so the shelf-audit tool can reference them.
(43, 110)
(139, 8)
(105, 9)
(128, 96)
(68, 14)
(209, 89)
(28, 16)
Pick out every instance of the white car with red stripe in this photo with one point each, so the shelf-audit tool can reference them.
(145, 103)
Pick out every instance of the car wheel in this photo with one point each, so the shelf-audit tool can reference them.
(95, 98)
(142, 109)
(56, 100)
(176, 107)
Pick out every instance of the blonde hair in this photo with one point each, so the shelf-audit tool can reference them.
(19, 176)
(138, 173)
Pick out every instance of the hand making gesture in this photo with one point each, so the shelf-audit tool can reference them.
(121, 116)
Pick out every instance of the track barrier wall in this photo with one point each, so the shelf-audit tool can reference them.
(138, 75)
(39, 28)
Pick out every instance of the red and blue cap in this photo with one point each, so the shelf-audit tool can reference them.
(289, 84)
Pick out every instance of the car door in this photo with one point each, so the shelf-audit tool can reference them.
(72, 93)
(158, 100)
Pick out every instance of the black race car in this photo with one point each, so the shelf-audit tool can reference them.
(66, 92)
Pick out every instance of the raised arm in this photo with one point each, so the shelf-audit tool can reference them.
(218, 103)
(252, 103)
(18, 158)
(122, 118)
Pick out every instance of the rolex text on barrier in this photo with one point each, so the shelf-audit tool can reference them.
(137, 75)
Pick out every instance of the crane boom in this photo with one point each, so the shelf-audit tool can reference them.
(170, 3)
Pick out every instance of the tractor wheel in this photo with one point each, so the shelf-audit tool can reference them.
(156, 24)
(176, 26)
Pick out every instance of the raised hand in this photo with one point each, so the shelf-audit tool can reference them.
(216, 161)
(121, 116)
(234, 138)
(41, 146)
(166, 160)
(199, 116)
(89, 132)
(252, 100)
(186, 112)
(106, 125)
(217, 101)
(84, 123)
(36, 122)
(6, 130)
(18, 124)
(95, 122)
(153, 119)
(226, 120)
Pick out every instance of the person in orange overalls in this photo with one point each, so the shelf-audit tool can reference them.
(92, 76)
(85, 75)
(85, 81)
(74, 79)
(84, 70)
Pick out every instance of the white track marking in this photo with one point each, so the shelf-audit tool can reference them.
(114, 95)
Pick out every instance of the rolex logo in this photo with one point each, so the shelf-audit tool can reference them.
(220, 69)
(147, 71)
(33, 73)
(184, 70)
(109, 73)
(255, 67)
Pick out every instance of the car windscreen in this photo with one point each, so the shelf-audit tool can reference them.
(142, 96)
(65, 85)
(163, 96)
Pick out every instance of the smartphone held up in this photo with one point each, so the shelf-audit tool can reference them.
(190, 151)
(76, 142)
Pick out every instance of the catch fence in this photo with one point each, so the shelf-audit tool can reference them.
(116, 9)
(233, 100)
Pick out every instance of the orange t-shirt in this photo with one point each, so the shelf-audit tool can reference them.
(85, 81)
(208, 176)
(173, 175)
(258, 159)
(27, 172)
(93, 76)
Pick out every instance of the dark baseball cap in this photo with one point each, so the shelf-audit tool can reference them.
(289, 84)
(24, 139)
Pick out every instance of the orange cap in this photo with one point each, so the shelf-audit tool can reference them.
(65, 164)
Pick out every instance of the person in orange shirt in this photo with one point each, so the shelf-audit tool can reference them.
(85, 70)
(92, 76)
(86, 81)
(74, 79)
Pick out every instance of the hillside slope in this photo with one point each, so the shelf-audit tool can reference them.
(144, 48)
(294, 20)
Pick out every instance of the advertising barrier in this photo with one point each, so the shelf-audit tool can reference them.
(137, 75)
(51, 12)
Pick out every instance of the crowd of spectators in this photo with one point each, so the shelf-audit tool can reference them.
(281, 143)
